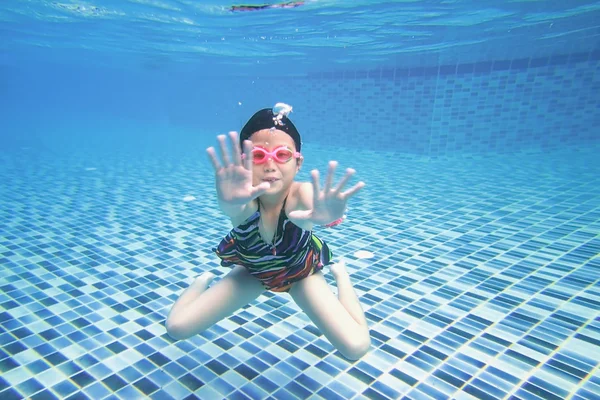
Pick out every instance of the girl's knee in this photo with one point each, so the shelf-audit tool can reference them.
(357, 348)
(176, 330)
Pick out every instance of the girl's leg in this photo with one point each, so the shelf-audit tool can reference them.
(342, 320)
(346, 293)
(200, 306)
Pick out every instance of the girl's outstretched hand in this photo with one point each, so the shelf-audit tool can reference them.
(329, 204)
(234, 175)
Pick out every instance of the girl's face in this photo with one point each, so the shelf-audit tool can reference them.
(280, 175)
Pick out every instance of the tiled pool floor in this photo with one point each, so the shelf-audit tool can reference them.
(484, 282)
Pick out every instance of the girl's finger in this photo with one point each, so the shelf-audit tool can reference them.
(316, 190)
(237, 155)
(224, 152)
(300, 214)
(213, 158)
(345, 179)
(351, 192)
(248, 157)
(259, 190)
(329, 180)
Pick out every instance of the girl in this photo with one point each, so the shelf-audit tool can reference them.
(272, 246)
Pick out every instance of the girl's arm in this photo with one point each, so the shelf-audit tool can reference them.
(305, 196)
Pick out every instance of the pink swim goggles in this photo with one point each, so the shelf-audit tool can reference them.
(281, 155)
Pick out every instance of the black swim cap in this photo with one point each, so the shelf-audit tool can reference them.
(264, 119)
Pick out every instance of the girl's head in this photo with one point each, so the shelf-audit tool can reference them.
(267, 119)
(276, 148)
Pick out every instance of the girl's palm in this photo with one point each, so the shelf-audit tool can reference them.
(330, 203)
(234, 184)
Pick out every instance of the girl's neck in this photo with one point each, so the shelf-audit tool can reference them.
(272, 203)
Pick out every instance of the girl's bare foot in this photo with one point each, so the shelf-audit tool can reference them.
(339, 270)
(202, 281)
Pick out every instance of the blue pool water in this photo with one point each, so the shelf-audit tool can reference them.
(473, 124)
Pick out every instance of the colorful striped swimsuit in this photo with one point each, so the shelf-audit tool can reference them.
(295, 253)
